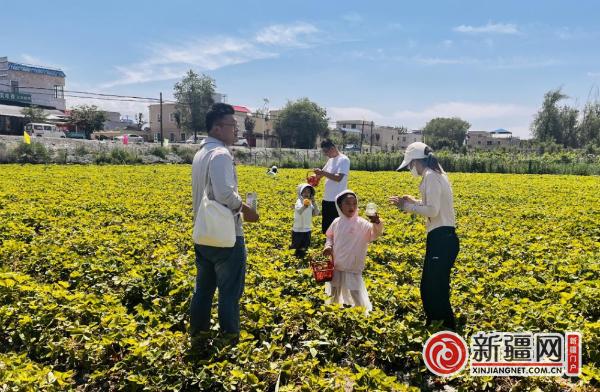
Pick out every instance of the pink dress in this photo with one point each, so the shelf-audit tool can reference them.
(349, 239)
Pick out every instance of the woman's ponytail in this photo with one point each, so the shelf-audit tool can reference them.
(431, 161)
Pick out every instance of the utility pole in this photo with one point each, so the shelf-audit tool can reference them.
(162, 143)
(362, 135)
(371, 145)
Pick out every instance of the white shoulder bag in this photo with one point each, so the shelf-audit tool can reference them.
(214, 225)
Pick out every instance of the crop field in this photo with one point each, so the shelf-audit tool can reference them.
(97, 271)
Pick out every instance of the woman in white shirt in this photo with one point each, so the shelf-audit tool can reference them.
(442, 247)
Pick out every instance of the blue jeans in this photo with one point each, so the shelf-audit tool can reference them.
(225, 269)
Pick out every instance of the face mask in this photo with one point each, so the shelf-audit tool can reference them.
(414, 172)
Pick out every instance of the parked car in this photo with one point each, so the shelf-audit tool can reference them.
(199, 139)
(75, 135)
(44, 130)
(241, 142)
(352, 148)
(133, 139)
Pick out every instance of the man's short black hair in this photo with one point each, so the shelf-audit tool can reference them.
(216, 113)
(327, 144)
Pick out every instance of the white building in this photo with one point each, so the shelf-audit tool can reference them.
(483, 140)
(381, 137)
(171, 131)
(26, 85)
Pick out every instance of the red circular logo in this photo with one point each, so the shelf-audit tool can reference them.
(445, 353)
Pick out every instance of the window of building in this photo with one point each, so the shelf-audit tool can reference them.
(489, 143)
(14, 86)
(344, 125)
(158, 117)
(172, 137)
(59, 92)
(182, 136)
(172, 117)
(353, 126)
(478, 141)
(403, 138)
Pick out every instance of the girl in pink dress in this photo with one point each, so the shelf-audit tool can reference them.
(347, 239)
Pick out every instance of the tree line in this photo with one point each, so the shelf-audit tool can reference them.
(299, 123)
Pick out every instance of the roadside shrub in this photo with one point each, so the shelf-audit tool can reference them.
(118, 156)
(186, 154)
(30, 153)
(160, 152)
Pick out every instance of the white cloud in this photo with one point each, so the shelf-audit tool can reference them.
(490, 63)
(490, 28)
(593, 74)
(294, 35)
(352, 17)
(564, 33)
(467, 110)
(444, 61)
(33, 60)
(482, 116)
(353, 113)
(447, 43)
(171, 62)
(126, 108)
(142, 73)
(499, 63)
(29, 59)
(209, 54)
(522, 63)
(167, 61)
(375, 55)
(577, 33)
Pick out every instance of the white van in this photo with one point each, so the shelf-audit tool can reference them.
(44, 130)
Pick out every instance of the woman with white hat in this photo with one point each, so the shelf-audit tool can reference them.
(442, 247)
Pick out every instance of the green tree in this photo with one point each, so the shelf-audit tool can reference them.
(194, 95)
(300, 122)
(444, 132)
(249, 125)
(589, 127)
(88, 119)
(34, 114)
(556, 124)
(570, 127)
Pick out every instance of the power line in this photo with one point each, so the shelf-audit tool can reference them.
(82, 92)
(129, 98)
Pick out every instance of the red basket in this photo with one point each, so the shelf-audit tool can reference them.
(312, 179)
(322, 270)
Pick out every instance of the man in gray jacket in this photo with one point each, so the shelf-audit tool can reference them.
(223, 268)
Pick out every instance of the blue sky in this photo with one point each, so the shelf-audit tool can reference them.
(393, 62)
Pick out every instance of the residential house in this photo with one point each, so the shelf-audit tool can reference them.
(23, 85)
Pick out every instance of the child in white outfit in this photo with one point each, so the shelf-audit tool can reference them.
(347, 239)
(304, 210)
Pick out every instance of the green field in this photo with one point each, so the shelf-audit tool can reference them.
(97, 271)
